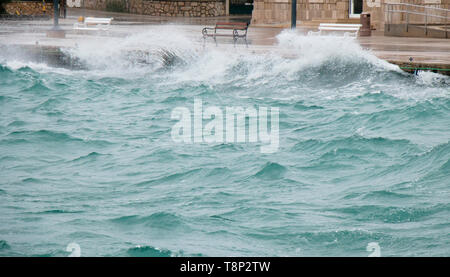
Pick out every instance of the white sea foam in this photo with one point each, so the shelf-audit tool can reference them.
(315, 50)
(430, 78)
(142, 53)
(180, 59)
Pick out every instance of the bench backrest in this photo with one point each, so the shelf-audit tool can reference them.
(97, 20)
(232, 25)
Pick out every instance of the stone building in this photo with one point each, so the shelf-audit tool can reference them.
(310, 12)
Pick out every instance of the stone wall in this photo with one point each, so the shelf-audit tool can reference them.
(28, 8)
(279, 11)
(196, 8)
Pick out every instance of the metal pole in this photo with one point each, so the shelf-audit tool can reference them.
(446, 18)
(407, 21)
(294, 14)
(55, 14)
(56, 31)
(389, 17)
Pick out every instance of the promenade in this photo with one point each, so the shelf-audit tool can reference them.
(424, 52)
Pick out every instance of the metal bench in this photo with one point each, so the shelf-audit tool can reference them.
(235, 30)
(348, 29)
(93, 24)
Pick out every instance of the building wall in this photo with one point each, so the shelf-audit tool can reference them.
(378, 8)
(195, 8)
(279, 11)
(271, 11)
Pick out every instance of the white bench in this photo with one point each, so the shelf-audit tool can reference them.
(348, 29)
(93, 24)
(74, 3)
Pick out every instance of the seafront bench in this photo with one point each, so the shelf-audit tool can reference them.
(93, 24)
(235, 30)
(348, 29)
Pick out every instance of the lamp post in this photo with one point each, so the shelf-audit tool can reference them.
(55, 15)
(294, 14)
(56, 31)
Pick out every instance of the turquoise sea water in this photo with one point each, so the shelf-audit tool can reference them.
(86, 156)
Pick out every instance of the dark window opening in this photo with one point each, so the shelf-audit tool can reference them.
(241, 6)
(357, 6)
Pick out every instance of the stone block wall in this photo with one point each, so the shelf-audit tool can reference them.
(28, 8)
(194, 8)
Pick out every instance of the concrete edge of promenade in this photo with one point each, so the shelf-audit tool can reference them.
(414, 67)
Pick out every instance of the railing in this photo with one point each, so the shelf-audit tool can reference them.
(411, 9)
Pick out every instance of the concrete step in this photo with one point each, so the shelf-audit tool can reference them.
(316, 22)
(340, 21)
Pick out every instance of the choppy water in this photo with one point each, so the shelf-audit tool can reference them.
(87, 156)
